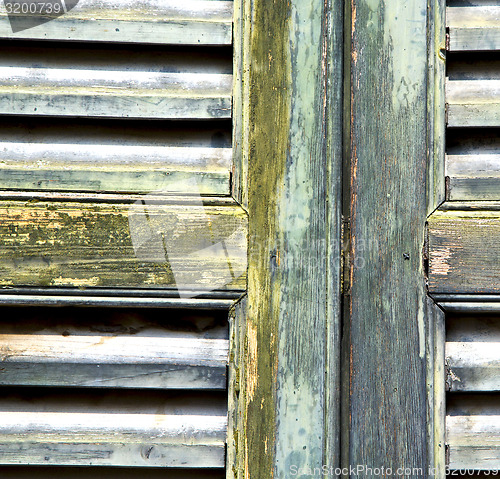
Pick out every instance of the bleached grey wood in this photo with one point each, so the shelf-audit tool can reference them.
(119, 94)
(473, 366)
(119, 432)
(473, 177)
(116, 302)
(190, 22)
(113, 361)
(473, 431)
(59, 472)
(474, 27)
(473, 103)
(110, 167)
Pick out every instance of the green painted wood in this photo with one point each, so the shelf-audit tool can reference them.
(386, 118)
(290, 380)
(123, 245)
(464, 251)
(167, 22)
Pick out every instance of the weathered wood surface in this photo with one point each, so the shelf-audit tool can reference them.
(293, 106)
(119, 430)
(147, 21)
(125, 245)
(192, 300)
(473, 103)
(116, 168)
(436, 102)
(113, 361)
(117, 84)
(472, 352)
(464, 252)
(385, 314)
(59, 472)
(473, 165)
(473, 432)
(474, 27)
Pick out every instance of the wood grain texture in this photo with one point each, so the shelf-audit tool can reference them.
(464, 252)
(472, 346)
(148, 21)
(114, 348)
(120, 83)
(473, 432)
(474, 28)
(473, 103)
(290, 379)
(386, 419)
(99, 472)
(113, 168)
(118, 361)
(474, 177)
(124, 245)
(73, 429)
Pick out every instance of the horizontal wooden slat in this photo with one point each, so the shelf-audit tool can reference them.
(119, 361)
(126, 168)
(194, 22)
(112, 348)
(474, 27)
(473, 432)
(473, 177)
(126, 245)
(473, 103)
(105, 83)
(151, 431)
(464, 251)
(473, 165)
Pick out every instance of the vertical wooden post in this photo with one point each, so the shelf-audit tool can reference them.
(385, 317)
(293, 137)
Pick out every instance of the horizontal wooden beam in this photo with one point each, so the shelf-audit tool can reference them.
(113, 430)
(173, 242)
(167, 22)
(473, 103)
(473, 433)
(464, 251)
(474, 28)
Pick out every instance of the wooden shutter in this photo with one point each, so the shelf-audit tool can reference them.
(464, 236)
(116, 138)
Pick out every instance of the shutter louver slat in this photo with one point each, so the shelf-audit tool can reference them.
(191, 22)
